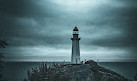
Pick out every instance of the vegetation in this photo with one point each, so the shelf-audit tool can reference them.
(2, 45)
(89, 71)
(43, 73)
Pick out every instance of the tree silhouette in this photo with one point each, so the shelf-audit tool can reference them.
(2, 45)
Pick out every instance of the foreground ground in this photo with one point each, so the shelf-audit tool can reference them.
(89, 71)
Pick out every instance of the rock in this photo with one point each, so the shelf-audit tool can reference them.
(135, 78)
(89, 71)
(91, 62)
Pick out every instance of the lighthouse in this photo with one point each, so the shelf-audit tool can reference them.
(75, 57)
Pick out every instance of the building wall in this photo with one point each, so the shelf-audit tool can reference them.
(75, 58)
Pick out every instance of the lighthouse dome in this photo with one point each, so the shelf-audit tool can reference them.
(75, 29)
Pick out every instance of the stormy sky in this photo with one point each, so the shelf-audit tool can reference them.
(40, 30)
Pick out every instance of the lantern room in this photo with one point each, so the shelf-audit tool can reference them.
(75, 30)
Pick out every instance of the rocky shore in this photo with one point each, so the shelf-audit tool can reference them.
(89, 71)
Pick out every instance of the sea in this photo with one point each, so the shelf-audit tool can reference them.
(17, 71)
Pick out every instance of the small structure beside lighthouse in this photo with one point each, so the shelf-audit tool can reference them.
(75, 57)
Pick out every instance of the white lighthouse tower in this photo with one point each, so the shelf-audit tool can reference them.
(75, 57)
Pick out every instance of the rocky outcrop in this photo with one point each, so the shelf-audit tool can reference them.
(89, 71)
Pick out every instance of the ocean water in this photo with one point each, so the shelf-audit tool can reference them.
(17, 71)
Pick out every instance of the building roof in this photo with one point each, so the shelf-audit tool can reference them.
(75, 29)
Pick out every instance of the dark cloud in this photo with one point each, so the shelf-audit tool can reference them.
(22, 22)
(108, 24)
(25, 8)
(124, 21)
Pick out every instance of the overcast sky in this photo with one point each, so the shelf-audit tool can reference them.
(40, 30)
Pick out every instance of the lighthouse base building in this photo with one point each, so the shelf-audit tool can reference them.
(75, 57)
